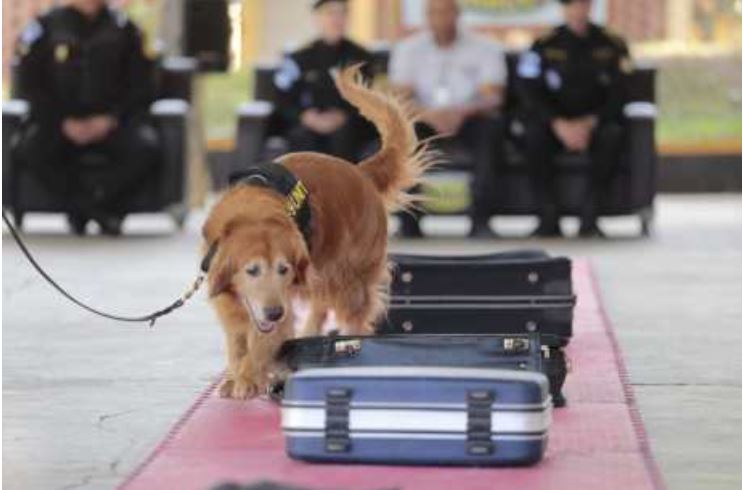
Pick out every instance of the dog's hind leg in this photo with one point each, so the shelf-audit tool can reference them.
(358, 314)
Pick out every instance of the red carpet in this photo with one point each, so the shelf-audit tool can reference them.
(597, 441)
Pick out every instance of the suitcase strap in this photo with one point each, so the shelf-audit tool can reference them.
(479, 422)
(337, 415)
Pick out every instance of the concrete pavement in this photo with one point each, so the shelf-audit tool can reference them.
(85, 399)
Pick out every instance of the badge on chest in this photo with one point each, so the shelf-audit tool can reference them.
(61, 53)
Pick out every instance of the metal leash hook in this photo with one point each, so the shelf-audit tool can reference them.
(151, 318)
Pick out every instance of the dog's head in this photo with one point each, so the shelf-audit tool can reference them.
(260, 263)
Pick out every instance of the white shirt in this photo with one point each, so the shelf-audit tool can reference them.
(449, 76)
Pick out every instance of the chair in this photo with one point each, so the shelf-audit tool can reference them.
(22, 193)
(632, 192)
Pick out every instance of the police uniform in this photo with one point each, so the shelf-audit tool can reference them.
(72, 66)
(565, 75)
(304, 81)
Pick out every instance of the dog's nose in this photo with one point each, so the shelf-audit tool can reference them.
(273, 313)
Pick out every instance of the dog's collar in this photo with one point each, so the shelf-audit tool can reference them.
(277, 177)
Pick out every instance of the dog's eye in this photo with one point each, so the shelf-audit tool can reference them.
(254, 270)
(282, 269)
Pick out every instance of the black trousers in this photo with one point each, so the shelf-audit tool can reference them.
(94, 178)
(541, 147)
(483, 137)
(346, 142)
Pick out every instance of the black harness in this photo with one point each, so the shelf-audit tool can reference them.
(280, 179)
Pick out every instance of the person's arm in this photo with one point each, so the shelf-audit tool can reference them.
(493, 78)
(401, 72)
(616, 91)
(32, 56)
(288, 83)
(531, 86)
(139, 83)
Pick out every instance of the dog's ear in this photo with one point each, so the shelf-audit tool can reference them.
(222, 266)
(220, 275)
(300, 258)
(300, 270)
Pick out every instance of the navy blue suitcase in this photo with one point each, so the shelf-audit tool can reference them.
(524, 352)
(417, 415)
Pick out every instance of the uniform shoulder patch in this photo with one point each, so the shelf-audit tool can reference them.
(287, 74)
(530, 65)
(32, 33)
(29, 36)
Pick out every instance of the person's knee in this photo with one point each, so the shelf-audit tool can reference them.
(609, 135)
(144, 145)
(537, 135)
(302, 138)
(487, 126)
(35, 149)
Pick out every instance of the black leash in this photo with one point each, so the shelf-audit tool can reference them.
(151, 318)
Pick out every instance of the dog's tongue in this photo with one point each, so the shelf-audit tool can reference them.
(266, 327)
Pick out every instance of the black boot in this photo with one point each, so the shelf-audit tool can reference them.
(481, 228)
(409, 226)
(110, 224)
(588, 221)
(549, 223)
(78, 223)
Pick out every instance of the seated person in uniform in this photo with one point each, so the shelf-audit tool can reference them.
(572, 84)
(456, 79)
(308, 102)
(89, 85)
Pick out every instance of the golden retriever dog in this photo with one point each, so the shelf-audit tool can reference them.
(262, 261)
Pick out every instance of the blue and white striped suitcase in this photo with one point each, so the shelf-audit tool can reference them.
(417, 415)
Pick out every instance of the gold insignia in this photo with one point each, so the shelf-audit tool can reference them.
(603, 54)
(554, 54)
(61, 53)
(626, 65)
(296, 198)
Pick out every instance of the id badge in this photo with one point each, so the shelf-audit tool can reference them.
(441, 96)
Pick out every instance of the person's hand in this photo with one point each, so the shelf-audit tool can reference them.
(333, 119)
(446, 121)
(323, 122)
(100, 126)
(575, 135)
(76, 130)
(311, 119)
(89, 130)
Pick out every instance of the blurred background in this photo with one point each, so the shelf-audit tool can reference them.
(694, 44)
(674, 297)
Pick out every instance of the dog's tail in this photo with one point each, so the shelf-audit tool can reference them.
(401, 161)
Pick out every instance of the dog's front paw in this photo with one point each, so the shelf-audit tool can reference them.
(225, 388)
(243, 390)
